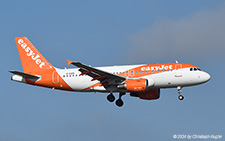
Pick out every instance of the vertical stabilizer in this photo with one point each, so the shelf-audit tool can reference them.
(31, 59)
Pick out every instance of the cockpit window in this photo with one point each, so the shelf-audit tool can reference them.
(195, 69)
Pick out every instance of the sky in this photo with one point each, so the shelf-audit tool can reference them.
(104, 33)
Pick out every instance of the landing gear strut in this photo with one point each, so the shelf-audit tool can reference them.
(110, 97)
(181, 97)
(119, 102)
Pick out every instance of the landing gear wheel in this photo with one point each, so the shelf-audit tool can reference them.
(119, 102)
(181, 97)
(111, 97)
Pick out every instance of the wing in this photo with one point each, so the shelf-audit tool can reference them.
(106, 79)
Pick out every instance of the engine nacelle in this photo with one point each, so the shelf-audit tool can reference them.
(135, 85)
(151, 94)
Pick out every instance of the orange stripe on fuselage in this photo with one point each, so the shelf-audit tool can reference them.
(93, 86)
(143, 70)
(47, 81)
(154, 69)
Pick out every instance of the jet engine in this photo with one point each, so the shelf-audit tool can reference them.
(135, 85)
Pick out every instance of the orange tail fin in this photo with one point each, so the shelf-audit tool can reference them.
(31, 58)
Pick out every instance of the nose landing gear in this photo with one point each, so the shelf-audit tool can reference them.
(181, 97)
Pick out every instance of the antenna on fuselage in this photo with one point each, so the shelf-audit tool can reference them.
(176, 61)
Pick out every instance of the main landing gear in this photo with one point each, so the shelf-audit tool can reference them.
(119, 101)
(181, 97)
(110, 97)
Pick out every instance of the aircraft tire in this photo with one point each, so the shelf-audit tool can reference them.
(119, 102)
(111, 97)
(180, 97)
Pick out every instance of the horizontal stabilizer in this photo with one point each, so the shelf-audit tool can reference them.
(25, 75)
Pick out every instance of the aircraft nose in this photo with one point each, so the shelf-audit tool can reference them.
(206, 77)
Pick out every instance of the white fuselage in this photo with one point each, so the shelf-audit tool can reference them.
(164, 79)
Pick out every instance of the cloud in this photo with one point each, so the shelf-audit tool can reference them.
(195, 37)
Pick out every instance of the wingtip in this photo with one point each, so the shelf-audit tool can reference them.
(69, 62)
(10, 71)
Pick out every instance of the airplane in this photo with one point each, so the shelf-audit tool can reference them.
(142, 81)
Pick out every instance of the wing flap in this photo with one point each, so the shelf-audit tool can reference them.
(97, 74)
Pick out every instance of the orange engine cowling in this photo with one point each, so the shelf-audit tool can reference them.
(151, 94)
(136, 85)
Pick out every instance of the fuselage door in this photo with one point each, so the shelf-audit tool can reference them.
(131, 73)
(55, 77)
(178, 71)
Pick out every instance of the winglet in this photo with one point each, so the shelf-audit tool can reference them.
(69, 62)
